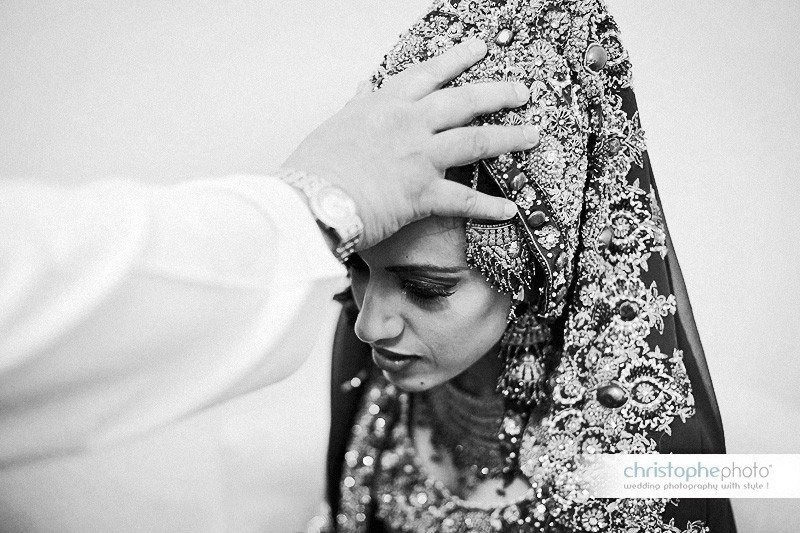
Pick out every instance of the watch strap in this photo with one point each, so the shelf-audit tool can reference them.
(347, 234)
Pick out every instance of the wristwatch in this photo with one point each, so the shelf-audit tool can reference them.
(333, 209)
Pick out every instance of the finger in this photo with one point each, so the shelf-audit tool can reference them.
(457, 106)
(423, 78)
(450, 199)
(461, 146)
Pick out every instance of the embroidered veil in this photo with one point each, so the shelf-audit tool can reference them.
(589, 257)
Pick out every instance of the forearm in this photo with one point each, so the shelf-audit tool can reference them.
(124, 307)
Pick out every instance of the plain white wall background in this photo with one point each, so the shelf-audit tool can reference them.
(165, 91)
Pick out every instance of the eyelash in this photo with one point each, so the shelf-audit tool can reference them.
(424, 294)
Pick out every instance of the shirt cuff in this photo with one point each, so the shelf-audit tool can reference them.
(300, 246)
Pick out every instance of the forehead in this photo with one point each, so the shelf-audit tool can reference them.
(435, 240)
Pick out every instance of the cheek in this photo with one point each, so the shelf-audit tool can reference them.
(472, 326)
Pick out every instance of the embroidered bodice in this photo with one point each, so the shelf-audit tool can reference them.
(384, 469)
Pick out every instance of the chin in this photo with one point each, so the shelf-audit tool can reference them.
(413, 382)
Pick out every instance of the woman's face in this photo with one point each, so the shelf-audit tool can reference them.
(426, 314)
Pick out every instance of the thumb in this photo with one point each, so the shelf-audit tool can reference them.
(450, 199)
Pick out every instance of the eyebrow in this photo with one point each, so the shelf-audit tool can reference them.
(423, 268)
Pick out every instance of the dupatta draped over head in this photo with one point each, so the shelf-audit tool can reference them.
(590, 256)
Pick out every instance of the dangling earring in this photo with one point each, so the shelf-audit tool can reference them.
(512, 313)
(513, 310)
(525, 350)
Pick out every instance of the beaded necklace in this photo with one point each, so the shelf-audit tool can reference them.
(466, 427)
(383, 470)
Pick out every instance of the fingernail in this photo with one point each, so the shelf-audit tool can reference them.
(522, 92)
(510, 209)
(531, 134)
(477, 47)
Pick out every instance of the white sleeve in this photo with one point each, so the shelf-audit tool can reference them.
(124, 307)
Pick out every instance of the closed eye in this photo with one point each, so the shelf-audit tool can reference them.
(425, 294)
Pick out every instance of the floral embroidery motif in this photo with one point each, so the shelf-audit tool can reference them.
(547, 236)
(526, 197)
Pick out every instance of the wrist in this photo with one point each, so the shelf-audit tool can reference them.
(332, 208)
(330, 240)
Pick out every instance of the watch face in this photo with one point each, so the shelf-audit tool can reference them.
(333, 208)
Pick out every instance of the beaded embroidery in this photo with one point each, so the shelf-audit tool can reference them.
(408, 500)
(588, 227)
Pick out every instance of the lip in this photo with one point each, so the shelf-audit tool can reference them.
(390, 361)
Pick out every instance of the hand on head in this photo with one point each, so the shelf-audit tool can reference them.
(389, 149)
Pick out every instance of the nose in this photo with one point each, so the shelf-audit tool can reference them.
(378, 319)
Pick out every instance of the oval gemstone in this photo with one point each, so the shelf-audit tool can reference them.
(561, 260)
(604, 239)
(612, 396)
(628, 311)
(504, 37)
(614, 146)
(561, 294)
(595, 58)
(537, 219)
(552, 382)
(518, 181)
